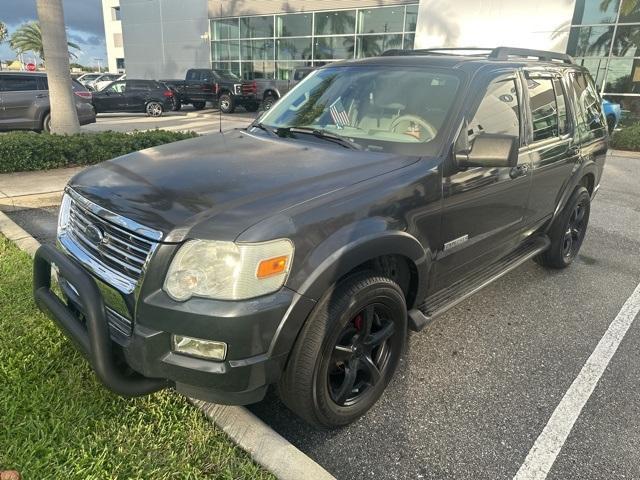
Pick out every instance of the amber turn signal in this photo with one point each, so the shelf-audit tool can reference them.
(272, 266)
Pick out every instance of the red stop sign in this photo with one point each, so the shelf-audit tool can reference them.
(31, 67)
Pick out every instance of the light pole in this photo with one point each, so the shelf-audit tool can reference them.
(99, 66)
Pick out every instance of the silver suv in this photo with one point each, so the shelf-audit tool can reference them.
(24, 102)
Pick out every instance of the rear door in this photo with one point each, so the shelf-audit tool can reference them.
(136, 95)
(551, 144)
(19, 94)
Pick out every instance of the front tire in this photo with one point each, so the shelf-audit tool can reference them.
(154, 109)
(269, 102)
(568, 231)
(611, 123)
(347, 351)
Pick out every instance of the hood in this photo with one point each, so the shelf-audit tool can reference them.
(174, 187)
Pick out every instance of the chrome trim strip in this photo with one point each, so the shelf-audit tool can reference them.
(116, 219)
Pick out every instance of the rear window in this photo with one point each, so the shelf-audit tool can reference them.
(19, 83)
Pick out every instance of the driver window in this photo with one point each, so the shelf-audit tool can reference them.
(117, 87)
(499, 111)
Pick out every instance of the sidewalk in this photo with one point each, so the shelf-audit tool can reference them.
(24, 190)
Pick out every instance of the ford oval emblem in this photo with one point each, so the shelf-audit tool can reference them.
(94, 234)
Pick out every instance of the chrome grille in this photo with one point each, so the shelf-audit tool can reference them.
(100, 240)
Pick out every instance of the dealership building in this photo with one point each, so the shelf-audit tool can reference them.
(269, 38)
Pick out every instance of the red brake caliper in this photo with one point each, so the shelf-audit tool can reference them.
(358, 322)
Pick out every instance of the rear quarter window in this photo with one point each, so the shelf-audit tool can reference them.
(590, 120)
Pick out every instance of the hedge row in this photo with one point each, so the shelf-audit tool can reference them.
(24, 151)
(628, 138)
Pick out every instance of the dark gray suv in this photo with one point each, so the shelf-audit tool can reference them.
(24, 102)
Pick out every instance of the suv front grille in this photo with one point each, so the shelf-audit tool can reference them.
(114, 248)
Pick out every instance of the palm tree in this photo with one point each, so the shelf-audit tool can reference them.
(4, 33)
(28, 38)
(626, 38)
(64, 116)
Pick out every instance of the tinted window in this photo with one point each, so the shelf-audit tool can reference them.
(589, 108)
(561, 101)
(18, 83)
(544, 110)
(499, 111)
(115, 87)
(140, 85)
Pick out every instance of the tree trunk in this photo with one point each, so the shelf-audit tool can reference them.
(64, 116)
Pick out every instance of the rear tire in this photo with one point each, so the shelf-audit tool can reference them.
(226, 103)
(568, 231)
(154, 109)
(347, 351)
(199, 105)
(611, 123)
(46, 123)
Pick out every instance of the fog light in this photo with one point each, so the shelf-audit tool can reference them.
(197, 347)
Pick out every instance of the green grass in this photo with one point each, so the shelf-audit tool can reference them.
(58, 422)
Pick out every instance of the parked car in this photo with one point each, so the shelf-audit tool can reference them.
(88, 77)
(300, 251)
(147, 96)
(24, 102)
(222, 87)
(613, 114)
(269, 91)
(103, 80)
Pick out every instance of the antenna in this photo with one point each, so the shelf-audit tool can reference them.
(219, 115)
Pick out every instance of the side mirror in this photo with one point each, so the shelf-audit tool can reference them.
(490, 150)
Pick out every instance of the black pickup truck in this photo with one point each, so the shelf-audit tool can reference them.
(300, 251)
(222, 87)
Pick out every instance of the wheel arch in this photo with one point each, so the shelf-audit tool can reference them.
(270, 92)
(586, 177)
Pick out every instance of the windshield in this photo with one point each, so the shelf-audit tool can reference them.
(380, 108)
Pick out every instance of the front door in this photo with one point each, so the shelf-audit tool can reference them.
(111, 99)
(484, 209)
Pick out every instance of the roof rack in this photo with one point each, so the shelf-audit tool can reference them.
(499, 53)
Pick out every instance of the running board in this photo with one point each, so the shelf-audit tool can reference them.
(447, 298)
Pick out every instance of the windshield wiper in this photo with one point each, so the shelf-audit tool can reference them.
(324, 134)
(263, 127)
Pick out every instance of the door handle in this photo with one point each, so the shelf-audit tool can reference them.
(519, 171)
(42, 95)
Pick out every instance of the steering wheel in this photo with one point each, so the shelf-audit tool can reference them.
(426, 126)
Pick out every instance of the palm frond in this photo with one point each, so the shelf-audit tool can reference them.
(28, 38)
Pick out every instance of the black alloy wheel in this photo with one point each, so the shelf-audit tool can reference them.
(568, 231)
(361, 355)
(575, 231)
(347, 351)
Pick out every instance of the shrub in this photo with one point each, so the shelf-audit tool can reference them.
(24, 151)
(628, 138)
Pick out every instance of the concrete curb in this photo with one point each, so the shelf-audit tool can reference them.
(623, 153)
(266, 447)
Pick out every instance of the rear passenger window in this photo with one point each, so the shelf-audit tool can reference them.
(544, 109)
(499, 111)
(561, 101)
(589, 108)
(18, 83)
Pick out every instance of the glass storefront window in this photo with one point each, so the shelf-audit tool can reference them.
(294, 25)
(623, 76)
(627, 41)
(381, 20)
(597, 68)
(336, 23)
(411, 20)
(258, 69)
(221, 51)
(256, 27)
(589, 41)
(293, 49)
(285, 69)
(374, 45)
(225, 29)
(330, 48)
(256, 50)
(589, 12)
(630, 11)
(233, 67)
(409, 41)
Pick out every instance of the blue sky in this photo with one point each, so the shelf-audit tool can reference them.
(82, 17)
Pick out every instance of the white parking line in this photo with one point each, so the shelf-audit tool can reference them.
(548, 445)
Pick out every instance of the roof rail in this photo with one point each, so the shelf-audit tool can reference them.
(503, 53)
(499, 53)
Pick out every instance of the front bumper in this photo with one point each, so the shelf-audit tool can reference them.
(245, 326)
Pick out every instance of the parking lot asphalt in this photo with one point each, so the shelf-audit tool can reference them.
(200, 121)
(478, 386)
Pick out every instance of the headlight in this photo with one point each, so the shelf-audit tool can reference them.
(63, 216)
(228, 271)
